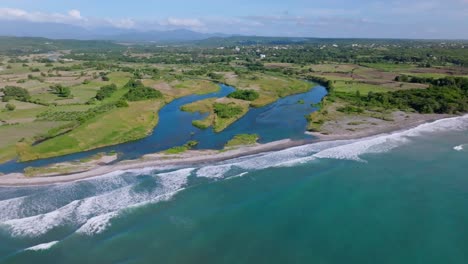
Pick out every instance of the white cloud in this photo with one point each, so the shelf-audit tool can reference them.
(19, 14)
(75, 14)
(125, 23)
(183, 22)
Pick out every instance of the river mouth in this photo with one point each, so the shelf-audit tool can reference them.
(283, 119)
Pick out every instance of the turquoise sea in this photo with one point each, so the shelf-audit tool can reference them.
(399, 198)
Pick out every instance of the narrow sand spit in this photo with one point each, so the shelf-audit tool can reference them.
(200, 157)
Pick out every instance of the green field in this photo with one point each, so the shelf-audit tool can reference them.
(67, 122)
(117, 126)
(270, 86)
(213, 120)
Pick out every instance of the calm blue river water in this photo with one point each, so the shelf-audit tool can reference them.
(280, 120)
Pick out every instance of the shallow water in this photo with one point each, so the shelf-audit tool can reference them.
(280, 120)
(397, 198)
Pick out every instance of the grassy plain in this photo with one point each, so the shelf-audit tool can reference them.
(207, 106)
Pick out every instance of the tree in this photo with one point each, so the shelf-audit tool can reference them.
(10, 107)
(15, 93)
(248, 95)
(121, 103)
(215, 76)
(61, 90)
(105, 92)
(137, 91)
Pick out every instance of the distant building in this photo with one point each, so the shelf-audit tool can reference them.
(262, 56)
(237, 49)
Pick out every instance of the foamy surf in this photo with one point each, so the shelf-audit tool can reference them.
(93, 214)
(89, 206)
(42, 247)
(387, 142)
(460, 147)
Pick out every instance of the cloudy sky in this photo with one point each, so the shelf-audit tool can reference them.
(307, 18)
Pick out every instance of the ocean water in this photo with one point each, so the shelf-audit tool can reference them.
(399, 198)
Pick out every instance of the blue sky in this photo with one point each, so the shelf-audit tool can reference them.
(312, 18)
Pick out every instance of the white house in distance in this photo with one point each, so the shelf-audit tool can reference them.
(262, 56)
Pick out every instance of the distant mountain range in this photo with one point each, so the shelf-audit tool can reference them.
(66, 31)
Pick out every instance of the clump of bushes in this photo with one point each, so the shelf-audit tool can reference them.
(137, 91)
(227, 110)
(10, 107)
(15, 93)
(60, 90)
(106, 91)
(181, 149)
(247, 95)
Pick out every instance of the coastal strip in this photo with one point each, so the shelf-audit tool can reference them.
(200, 157)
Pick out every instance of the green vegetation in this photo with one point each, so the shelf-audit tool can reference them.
(138, 92)
(220, 115)
(67, 168)
(247, 95)
(15, 93)
(181, 149)
(98, 93)
(270, 87)
(61, 90)
(227, 110)
(112, 127)
(106, 91)
(242, 140)
(10, 107)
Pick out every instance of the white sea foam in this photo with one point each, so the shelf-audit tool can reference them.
(97, 224)
(286, 157)
(117, 192)
(384, 143)
(93, 214)
(12, 208)
(340, 149)
(460, 147)
(42, 247)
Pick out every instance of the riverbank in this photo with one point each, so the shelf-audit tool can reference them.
(200, 157)
(354, 127)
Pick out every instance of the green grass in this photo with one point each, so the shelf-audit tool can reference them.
(181, 149)
(332, 67)
(116, 126)
(389, 67)
(430, 75)
(213, 120)
(271, 87)
(11, 134)
(33, 171)
(353, 87)
(180, 88)
(24, 112)
(242, 140)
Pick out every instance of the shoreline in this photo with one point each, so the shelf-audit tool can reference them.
(200, 157)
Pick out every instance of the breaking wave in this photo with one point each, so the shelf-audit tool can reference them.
(89, 206)
(460, 147)
(42, 247)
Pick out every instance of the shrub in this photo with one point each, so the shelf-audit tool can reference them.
(105, 92)
(15, 93)
(10, 107)
(248, 95)
(60, 90)
(215, 76)
(227, 110)
(121, 103)
(137, 91)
